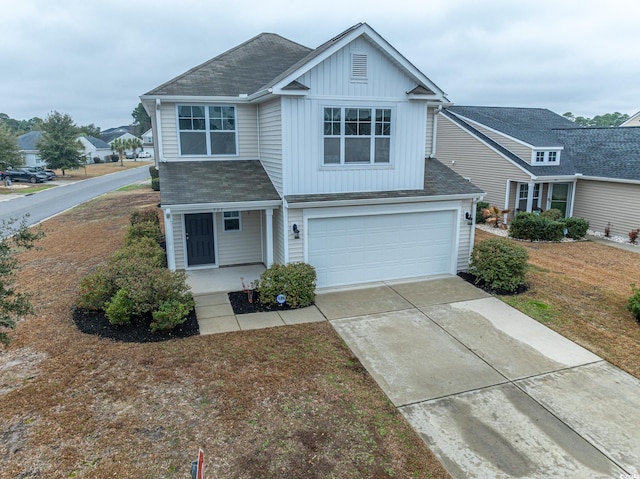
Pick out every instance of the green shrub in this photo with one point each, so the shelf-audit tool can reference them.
(169, 315)
(552, 215)
(297, 281)
(155, 184)
(120, 308)
(534, 227)
(143, 216)
(576, 227)
(147, 229)
(154, 172)
(481, 205)
(96, 289)
(146, 248)
(633, 304)
(500, 263)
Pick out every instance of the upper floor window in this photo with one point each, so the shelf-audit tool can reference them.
(357, 136)
(546, 157)
(207, 130)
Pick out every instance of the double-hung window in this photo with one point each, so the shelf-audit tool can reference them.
(523, 195)
(207, 130)
(357, 136)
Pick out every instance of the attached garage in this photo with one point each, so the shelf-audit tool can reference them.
(366, 246)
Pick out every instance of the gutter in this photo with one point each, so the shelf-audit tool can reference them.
(381, 201)
(225, 206)
(160, 155)
(611, 180)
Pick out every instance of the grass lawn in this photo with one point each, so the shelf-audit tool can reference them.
(289, 402)
(100, 169)
(580, 290)
(23, 188)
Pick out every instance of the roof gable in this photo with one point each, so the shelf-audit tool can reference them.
(28, 141)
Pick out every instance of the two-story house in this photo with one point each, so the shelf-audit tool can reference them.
(529, 159)
(275, 152)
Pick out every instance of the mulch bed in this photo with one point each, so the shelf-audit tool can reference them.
(479, 283)
(96, 322)
(241, 304)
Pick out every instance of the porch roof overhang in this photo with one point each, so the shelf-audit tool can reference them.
(219, 185)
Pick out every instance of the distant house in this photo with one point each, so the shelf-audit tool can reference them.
(95, 148)
(633, 120)
(122, 132)
(27, 143)
(529, 159)
(147, 142)
(273, 152)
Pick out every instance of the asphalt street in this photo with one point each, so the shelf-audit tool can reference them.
(45, 204)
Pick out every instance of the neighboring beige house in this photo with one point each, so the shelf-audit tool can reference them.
(273, 152)
(529, 159)
(633, 120)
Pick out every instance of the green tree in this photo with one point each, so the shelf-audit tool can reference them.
(13, 305)
(90, 130)
(119, 146)
(59, 146)
(19, 127)
(142, 120)
(133, 144)
(606, 120)
(10, 154)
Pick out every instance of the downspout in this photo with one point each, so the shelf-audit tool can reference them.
(160, 155)
(506, 201)
(434, 131)
(258, 130)
(474, 211)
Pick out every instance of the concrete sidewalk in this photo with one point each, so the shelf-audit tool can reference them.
(492, 392)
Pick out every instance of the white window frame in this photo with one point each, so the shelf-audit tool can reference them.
(207, 131)
(545, 157)
(523, 195)
(233, 215)
(387, 122)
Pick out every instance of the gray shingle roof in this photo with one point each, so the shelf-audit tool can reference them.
(97, 142)
(27, 142)
(599, 152)
(603, 152)
(531, 125)
(193, 182)
(439, 180)
(244, 69)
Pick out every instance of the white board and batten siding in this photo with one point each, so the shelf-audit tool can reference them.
(602, 202)
(459, 150)
(331, 85)
(247, 131)
(270, 126)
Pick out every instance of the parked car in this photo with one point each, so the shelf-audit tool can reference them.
(144, 154)
(20, 174)
(130, 156)
(41, 170)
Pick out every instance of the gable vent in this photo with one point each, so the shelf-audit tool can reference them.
(359, 66)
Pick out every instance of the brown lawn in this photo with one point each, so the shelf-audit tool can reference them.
(581, 289)
(288, 402)
(100, 169)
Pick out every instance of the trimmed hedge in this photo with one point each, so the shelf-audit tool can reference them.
(539, 227)
(296, 281)
(633, 303)
(500, 263)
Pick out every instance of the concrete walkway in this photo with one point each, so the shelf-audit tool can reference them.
(493, 393)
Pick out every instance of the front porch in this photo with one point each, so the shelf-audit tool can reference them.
(222, 280)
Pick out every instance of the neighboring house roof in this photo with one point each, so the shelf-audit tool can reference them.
(439, 180)
(97, 142)
(603, 152)
(189, 182)
(27, 142)
(111, 134)
(633, 120)
(532, 125)
(597, 152)
(243, 69)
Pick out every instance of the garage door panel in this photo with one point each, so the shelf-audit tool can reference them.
(358, 249)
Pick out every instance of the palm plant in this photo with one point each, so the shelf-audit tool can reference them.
(133, 144)
(119, 145)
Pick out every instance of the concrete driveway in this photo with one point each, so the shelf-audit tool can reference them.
(492, 392)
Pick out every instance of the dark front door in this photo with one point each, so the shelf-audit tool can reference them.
(199, 234)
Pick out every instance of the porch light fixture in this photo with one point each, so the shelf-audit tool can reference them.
(296, 231)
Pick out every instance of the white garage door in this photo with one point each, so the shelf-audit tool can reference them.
(362, 249)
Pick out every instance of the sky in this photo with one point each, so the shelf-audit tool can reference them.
(93, 59)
